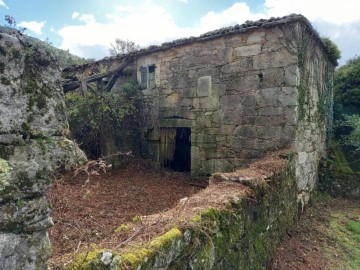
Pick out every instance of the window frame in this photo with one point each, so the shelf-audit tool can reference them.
(147, 77)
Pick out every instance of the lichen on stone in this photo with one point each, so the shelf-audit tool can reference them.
(4, 174)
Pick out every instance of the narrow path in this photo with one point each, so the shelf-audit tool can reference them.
(326, 237)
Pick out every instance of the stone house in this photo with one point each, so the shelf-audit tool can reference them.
(225, 98)
(212, 103)
(221, 100)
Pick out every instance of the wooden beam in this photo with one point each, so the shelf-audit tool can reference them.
(72, 85)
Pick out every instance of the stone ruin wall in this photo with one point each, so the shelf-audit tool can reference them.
(315, 116)
(240, 94)
(33, 127)
(237, 92)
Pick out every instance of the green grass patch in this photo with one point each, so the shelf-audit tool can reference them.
(345, 232)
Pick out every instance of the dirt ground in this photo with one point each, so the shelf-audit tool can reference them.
(323, 239)
(86, 213)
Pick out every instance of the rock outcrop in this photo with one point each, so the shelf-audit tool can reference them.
(33, 145)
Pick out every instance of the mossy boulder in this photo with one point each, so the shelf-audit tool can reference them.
(33, 145)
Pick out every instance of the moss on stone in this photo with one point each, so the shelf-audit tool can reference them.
(242, 235)
(38, 94)
(90, 260)
(164, 241)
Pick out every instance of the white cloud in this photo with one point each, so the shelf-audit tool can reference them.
(346, 36)
(2, 3)
(33, 26)
(148, 23)
(75, 15)
(338, 12)
(184, 1)
(237, 13)
(87, 18)
(339, 20)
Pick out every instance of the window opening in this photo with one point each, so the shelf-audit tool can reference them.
(147, 74)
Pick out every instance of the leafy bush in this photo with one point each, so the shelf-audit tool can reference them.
(347, 110)
(353, 138)
(104, 121)
(334, 51)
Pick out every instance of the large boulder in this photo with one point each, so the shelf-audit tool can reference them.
(33, 145)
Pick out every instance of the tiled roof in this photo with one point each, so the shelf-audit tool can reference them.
(238, 28)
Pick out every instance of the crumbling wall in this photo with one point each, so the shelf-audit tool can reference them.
(235, 223)
(244, 94)
(314, 112)
(236, 92)
(33, 127)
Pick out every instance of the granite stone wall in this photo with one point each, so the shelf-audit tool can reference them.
(242, 95)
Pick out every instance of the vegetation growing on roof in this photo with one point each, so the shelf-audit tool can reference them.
(334, 51)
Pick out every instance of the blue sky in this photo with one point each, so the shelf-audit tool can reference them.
(88, 27)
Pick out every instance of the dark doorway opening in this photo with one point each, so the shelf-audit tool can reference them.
(182, 152)
(175, 148)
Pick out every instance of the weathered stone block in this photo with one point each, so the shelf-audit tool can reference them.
(25, 215)
(271, 111)
(256, 37)
(244, 64)
(227, 129)
(246, 131)
(232, 117)
(273, 59)
(204, 86)
(203, 138)
(248, 50)
(268, 97)
(250, 100)
(208, 103)
(292, 75)
(230, 102)
(24, 251)
(32, 144)
(33, 89)
(273, 77)
(290, 115)
(171, 100)
(288, 97)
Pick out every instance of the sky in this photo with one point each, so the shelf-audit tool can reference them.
(87, 28)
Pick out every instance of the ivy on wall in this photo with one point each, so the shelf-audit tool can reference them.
(299, 39)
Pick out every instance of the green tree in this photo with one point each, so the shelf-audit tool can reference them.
(104, 121)
(123, 46)
(347, 85)
(347, 109)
